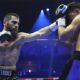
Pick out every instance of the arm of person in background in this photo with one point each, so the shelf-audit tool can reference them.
(70, 30)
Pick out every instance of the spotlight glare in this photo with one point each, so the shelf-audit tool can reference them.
(41, 11)
(29, 70)
(47, 9)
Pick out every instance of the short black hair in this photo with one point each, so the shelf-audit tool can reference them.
(72, 6)
(9, 15)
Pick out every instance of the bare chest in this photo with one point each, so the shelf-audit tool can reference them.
(9, 53)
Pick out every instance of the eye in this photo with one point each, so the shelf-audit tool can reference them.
(14, 22)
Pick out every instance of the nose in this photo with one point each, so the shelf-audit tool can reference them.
(16, 25)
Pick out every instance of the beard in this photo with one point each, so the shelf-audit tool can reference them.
(13, 30)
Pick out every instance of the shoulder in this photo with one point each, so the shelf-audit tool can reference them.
(76, 20)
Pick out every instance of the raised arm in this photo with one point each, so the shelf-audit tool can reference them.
(35, 35)
(51, 28)
(42, 32)
(69, 31)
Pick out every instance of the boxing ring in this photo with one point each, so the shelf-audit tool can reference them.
(43, 58)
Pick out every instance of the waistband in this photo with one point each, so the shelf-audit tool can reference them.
(8, 74)
(13, 68)
(4, 72)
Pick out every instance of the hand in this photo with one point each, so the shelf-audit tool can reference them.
(5, 32)
(61, 22)
(5, 36)
(53, 27)
(61, 10)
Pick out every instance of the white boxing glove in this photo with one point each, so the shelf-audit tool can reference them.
(5, 32)
(61, 22)
(5, 36)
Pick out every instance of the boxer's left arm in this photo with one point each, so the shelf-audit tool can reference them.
(37, 34)
(46, 30)
(70, 30)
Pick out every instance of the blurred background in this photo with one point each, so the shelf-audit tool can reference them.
(46, 56)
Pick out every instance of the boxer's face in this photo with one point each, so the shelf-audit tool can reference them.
(12, 25)
(72, 14)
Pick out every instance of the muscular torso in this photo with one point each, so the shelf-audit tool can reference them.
(8, 56)
(9, 52)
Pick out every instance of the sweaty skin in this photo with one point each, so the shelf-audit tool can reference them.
(10, 50)
(66, 34)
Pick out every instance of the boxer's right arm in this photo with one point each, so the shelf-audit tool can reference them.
(69, 31)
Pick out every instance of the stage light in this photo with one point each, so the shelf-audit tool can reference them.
(42, 11)
(41, 21)
(47, 9)
(54, 71)
(29, 70)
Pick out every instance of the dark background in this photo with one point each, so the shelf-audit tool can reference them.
(38, 55)
(28, 10)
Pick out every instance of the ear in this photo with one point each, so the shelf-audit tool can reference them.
(5, 23)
